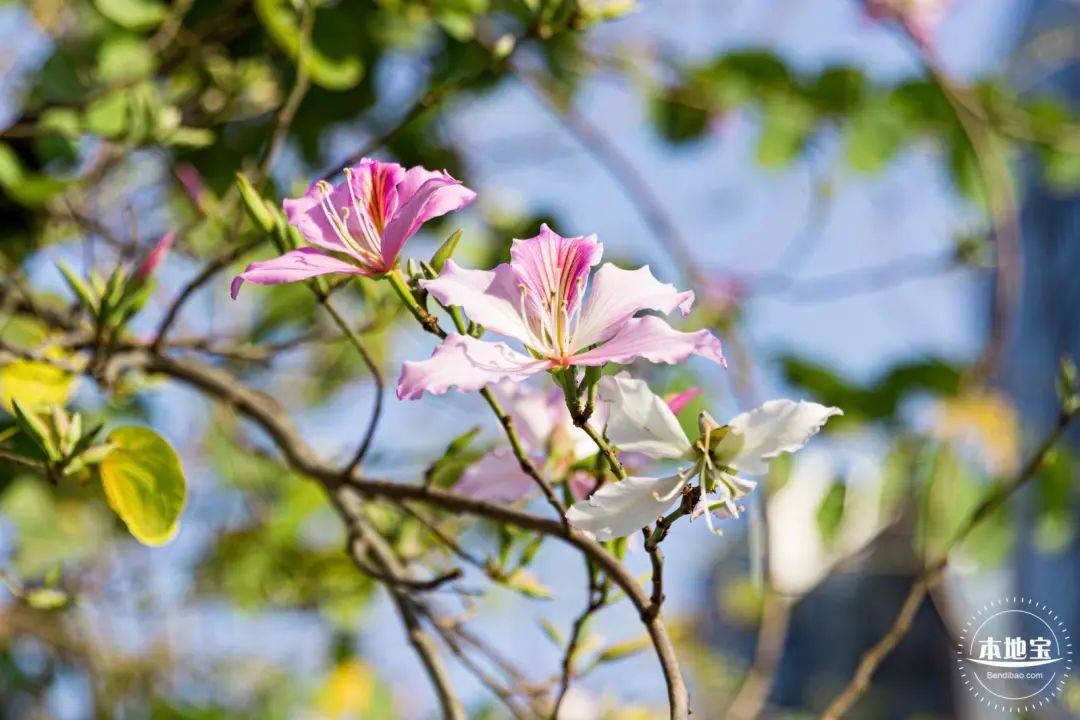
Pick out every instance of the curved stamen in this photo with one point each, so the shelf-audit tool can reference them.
(370, 234)
(535, 340)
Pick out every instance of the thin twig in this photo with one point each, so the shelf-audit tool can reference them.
(211, 269)
(754, 692)
(376, 376)
(873, 657)
(597, 600)
(284, 117)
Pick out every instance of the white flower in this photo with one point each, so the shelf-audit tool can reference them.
(639, 421)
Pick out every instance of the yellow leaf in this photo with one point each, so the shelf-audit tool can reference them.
(34, 384)
(348, 690)
(144, 483)
(988, 420)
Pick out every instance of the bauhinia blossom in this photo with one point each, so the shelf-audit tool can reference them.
(639, 421)
(544, 299)
(360, 226)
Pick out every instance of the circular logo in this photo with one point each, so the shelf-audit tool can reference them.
(1015, 654)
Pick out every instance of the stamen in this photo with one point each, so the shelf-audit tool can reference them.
(671, 495)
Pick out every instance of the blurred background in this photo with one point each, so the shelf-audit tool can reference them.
(875, 202)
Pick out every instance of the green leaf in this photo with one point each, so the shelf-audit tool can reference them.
(47, 598)
(107, 116)
(552, 632)
(787, 125)
(79, 287)
(676, 121)
(133, 14)
(445, 251)
(26, 188)
(123, 58)
(875, 134)
(1061, 170)
(528, 584)
(257, 207)
(144, 483)
(35, 429)
(338, 72)
(622, 650)
(33, 384)
(830, 512)
(446, 470)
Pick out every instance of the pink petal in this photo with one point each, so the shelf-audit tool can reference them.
(374, 185)
(438, 195)
(536, 413)
(654, 340)
(553, 268)
(616, 295)
(489, 297)
(678, 402)
(582, 484)
(466, 363)
(497, 477)
(154, 258)
(293, 266)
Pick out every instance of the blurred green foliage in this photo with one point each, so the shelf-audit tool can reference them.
(157, 106)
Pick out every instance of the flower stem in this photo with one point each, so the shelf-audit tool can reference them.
(428, 321)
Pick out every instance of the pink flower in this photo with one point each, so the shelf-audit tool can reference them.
(678, 401)
(154, 258)
(360, 226)
(722, 293)
(921, 18)
(191, 181)
(540, 300)
(549, 438)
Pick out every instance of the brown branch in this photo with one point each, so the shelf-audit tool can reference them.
(268, 415)
(365, 540)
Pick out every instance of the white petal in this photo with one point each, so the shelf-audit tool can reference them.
(778, 426)
(624, 507)
(640, 421)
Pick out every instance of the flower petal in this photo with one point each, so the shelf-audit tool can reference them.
(615, 295)
(651, 338)
(553, 268)
(678, 402)
(293, 266)
(467, 364)
(536, 412)
(581, 484)
(778, 426)
(438, 195)
(154, 258)
(639, 421)
(624, 507)
(375, 186)
(497, 476)
(308, 215)
(489, 297)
